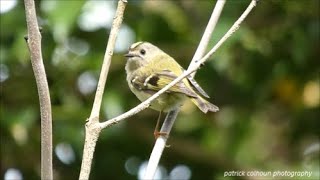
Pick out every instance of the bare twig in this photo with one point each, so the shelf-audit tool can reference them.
(160, 144)
(92, 126)
(107, 59)
(207, 33)
(91, 137)
(34, 44)
(233, 29)
(170, 119)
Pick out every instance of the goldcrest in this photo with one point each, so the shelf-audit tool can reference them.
(149, 69)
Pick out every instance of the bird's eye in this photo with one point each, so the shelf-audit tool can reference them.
(142, 51)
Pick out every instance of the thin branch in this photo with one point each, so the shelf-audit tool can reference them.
(92, 135)
(172, 115)
(92, 126)
(160, 144)
(107, 59)
(207, 33)
(233, 29)
(34, 45)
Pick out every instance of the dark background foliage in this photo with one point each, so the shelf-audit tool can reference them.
(265, 79)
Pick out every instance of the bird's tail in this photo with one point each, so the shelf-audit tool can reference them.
(204, 105)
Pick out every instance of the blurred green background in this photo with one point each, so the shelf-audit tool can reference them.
(265, 79)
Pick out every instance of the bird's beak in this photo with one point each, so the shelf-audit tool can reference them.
(129, 55)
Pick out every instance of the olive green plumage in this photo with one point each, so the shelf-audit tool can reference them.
(149, 69)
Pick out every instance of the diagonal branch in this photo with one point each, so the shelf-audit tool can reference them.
(233, 29)
(92, 126)
(172, 115)
(34, 45)
(207, 33)
(107, 59)
(160, 144)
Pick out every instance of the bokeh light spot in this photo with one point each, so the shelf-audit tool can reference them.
(132, 165)
(180, 172)
(311, 94)
(4, 72)
(112, 105)
(7, 5)
(125, 38)
(19, 133)
(96, 15)
(48, 6)
(13, 174)
(78, 46)
(65, 153)
(87, 83)
(161, 172)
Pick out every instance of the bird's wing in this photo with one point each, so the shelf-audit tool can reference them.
(157, 81)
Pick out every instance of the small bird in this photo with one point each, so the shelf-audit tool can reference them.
(149, 69)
